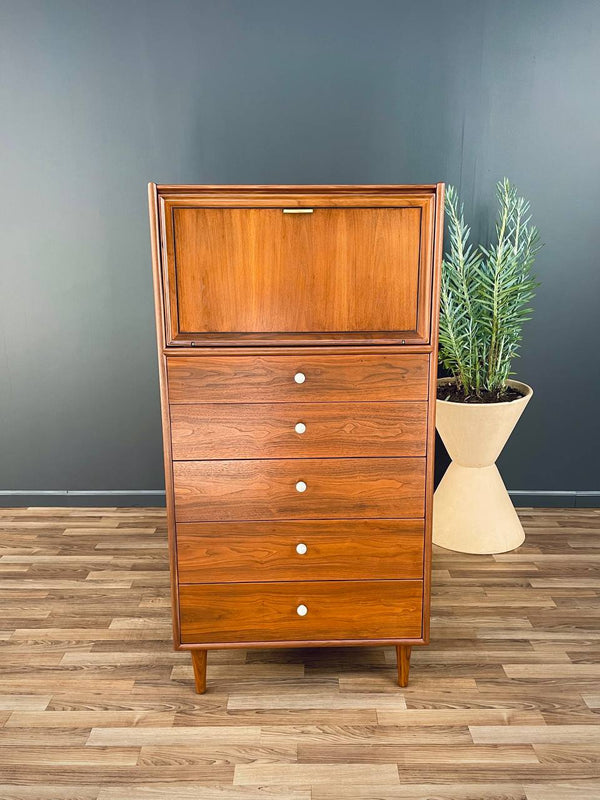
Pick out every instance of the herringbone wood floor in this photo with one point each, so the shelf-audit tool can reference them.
(95, 705)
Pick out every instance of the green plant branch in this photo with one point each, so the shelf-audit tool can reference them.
(486, 294)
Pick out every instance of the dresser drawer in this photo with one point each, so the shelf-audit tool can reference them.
(302, 550)
(296, 378)
(313, 488)
(297, 430)
(324, 611)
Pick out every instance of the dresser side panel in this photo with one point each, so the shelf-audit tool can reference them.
(155, 240)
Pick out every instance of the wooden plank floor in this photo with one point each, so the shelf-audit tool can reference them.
(95, 705)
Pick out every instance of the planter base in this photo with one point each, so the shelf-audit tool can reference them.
(472, 512)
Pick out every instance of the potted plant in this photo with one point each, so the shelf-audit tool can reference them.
(485, 299)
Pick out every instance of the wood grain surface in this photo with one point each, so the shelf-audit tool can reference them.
(95, 705)
(355, 267)
(334, 549)
(264, 490)
(332, 270)
(270, 379)
(267, 612)
(268, 430)
(358, 266)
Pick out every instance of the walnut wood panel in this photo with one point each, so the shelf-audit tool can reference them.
(335, 488)
(263, 270)
(288, 195)
(338, 610)
(270, 379)
(327, 550)
(236, 268)
(159, 310)
(436, 275)
(270, 430)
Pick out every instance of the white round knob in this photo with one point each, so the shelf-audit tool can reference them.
(300, 427)
(302, 611)
(299, 377)
(300, 486)
(301, 548)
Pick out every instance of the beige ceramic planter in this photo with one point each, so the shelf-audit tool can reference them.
(472, 512)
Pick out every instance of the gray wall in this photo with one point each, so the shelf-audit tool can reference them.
(100, 97)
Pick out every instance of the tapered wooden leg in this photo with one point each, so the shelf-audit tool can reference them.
(403, 656)
(199, 664)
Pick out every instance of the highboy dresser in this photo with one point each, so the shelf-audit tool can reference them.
(297, 340)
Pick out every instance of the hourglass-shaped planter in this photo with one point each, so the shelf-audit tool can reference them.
(472, 512)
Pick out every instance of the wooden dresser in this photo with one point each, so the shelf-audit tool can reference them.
(297, 339)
